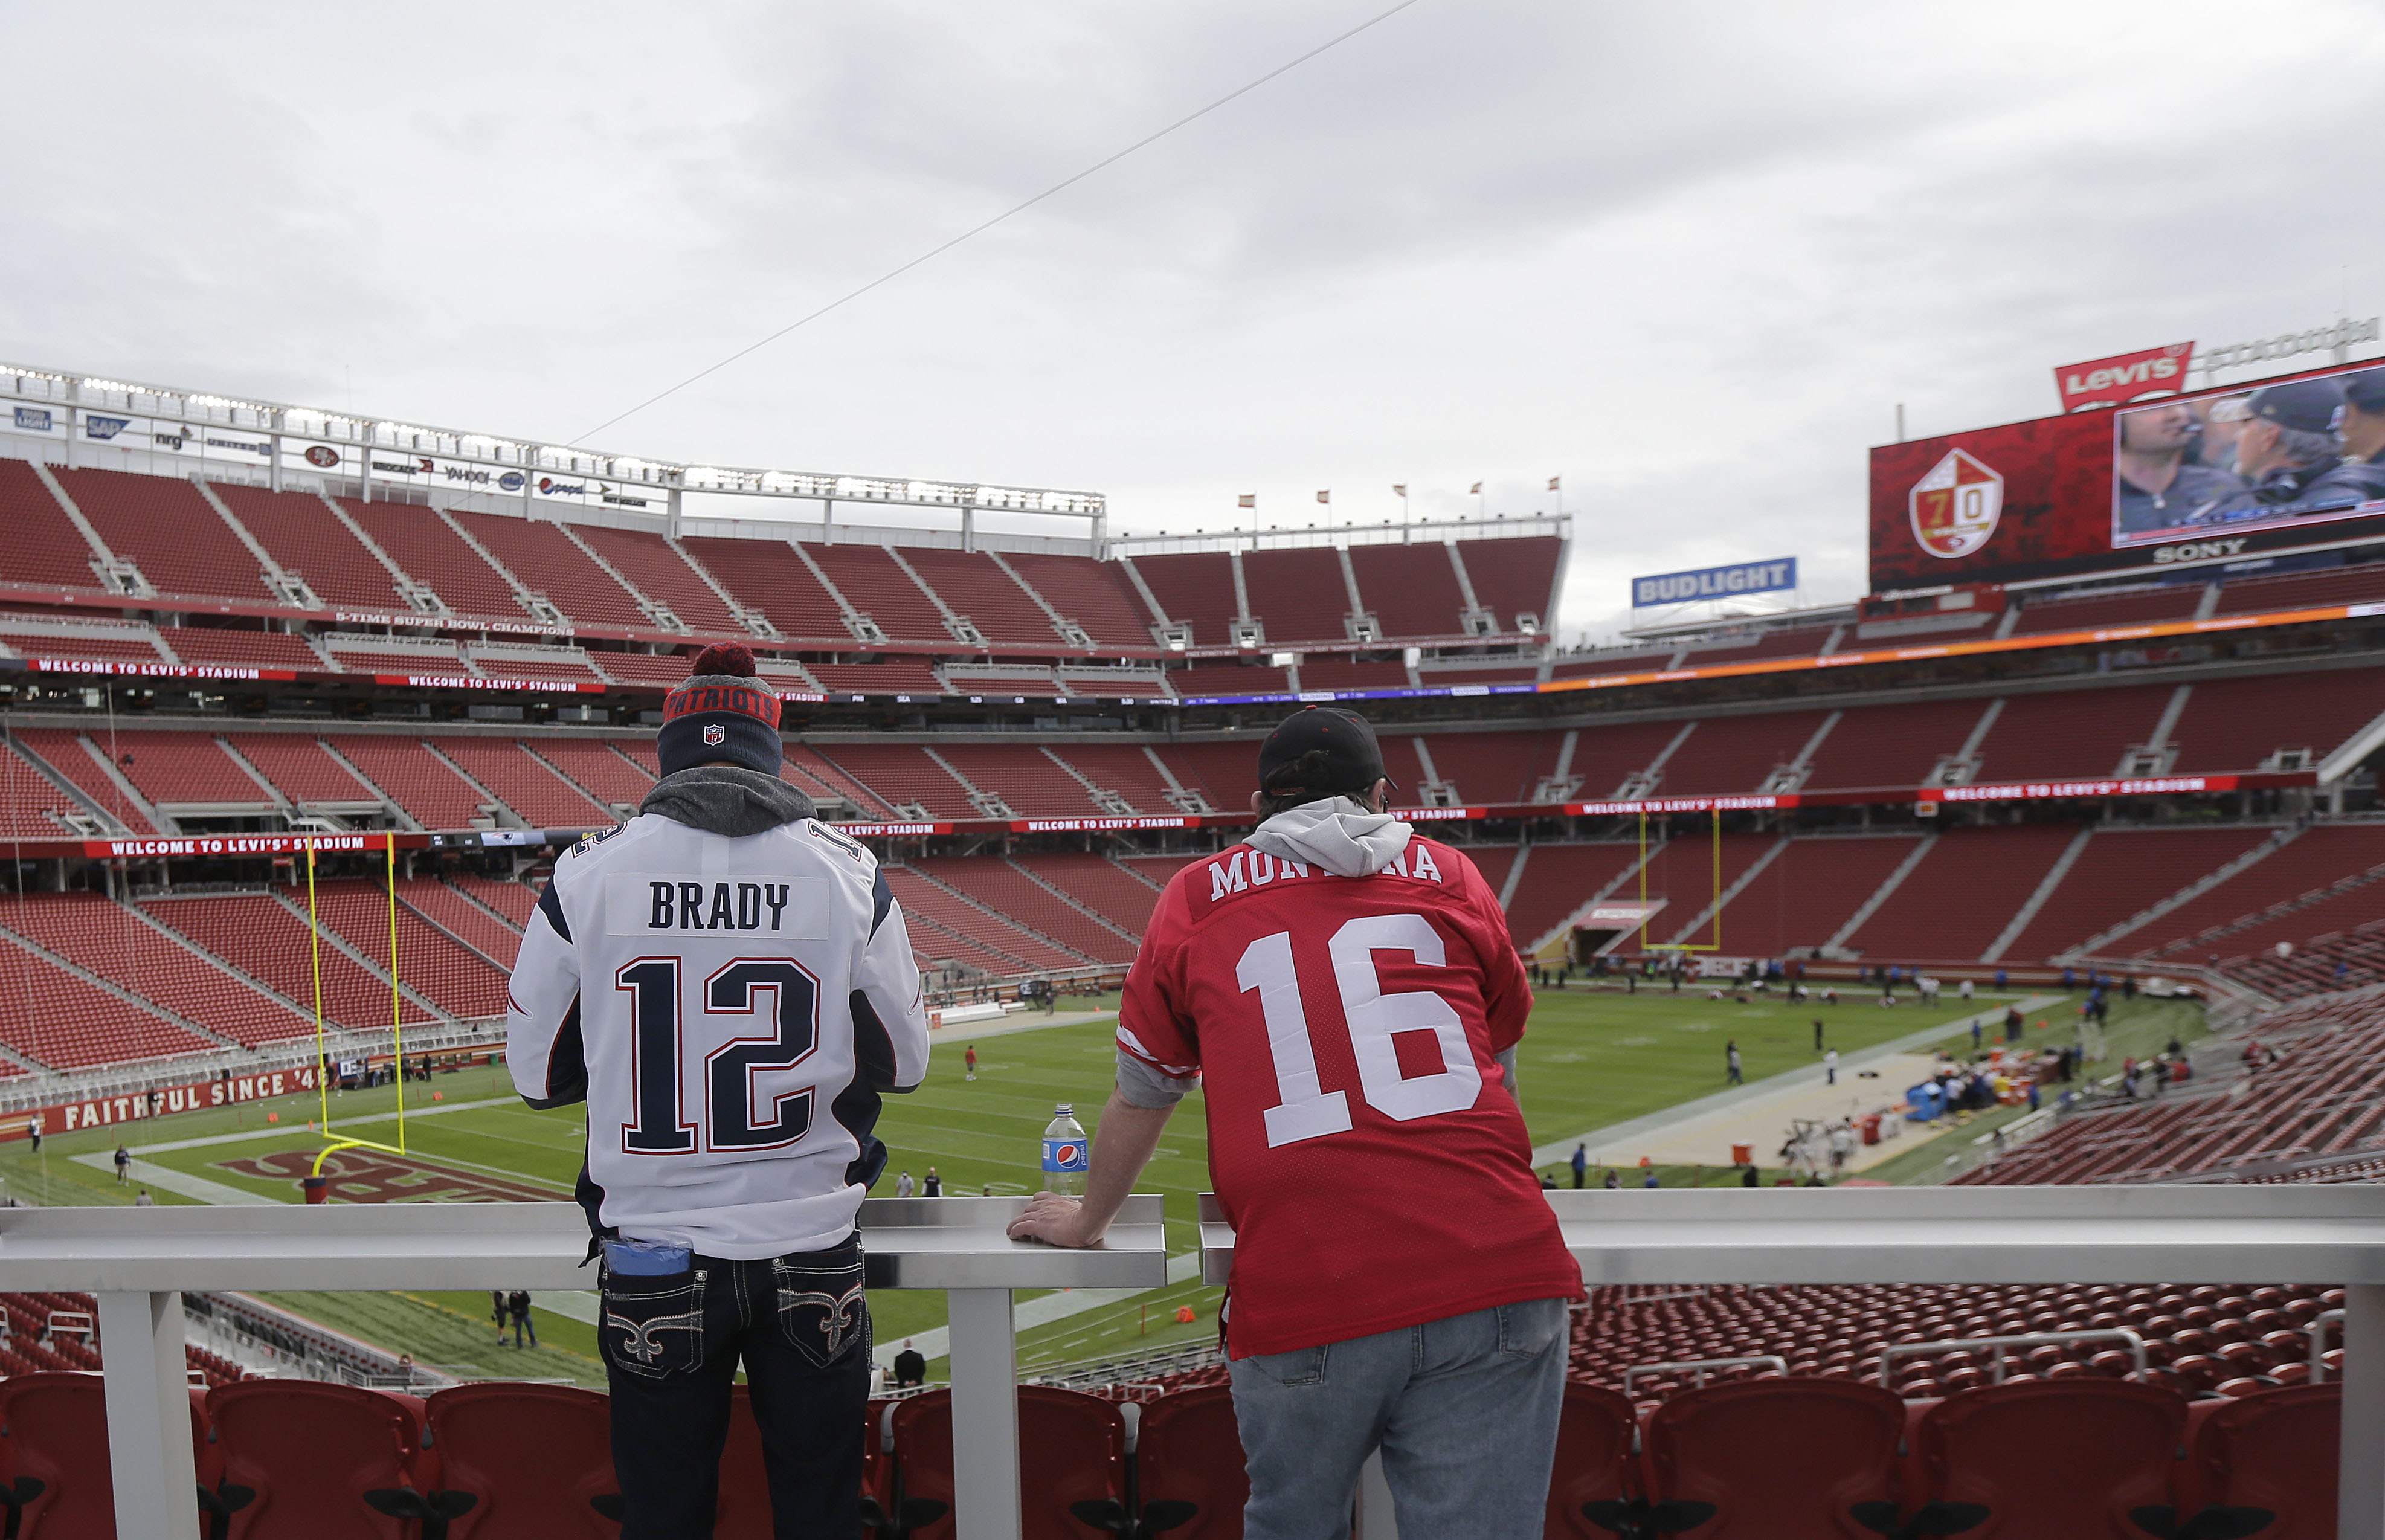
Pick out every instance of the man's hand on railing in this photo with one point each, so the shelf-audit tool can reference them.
(1060, 1220)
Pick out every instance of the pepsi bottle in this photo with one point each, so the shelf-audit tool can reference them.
(1066, 1155)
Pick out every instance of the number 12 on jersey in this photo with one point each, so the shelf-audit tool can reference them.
(1372, 1018)
(732, 1116)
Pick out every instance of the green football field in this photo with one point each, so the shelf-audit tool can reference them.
(1588, 1061)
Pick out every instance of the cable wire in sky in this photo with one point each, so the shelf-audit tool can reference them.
(977, 229)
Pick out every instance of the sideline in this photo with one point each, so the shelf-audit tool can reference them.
(1657, 1125)
(279, 1130)
(1037, 1021)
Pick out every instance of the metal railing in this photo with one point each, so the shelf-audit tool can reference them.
(1889, 1354)
(1702, 1368)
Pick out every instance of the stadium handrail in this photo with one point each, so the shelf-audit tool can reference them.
(138, 1261)
(2099, 1234)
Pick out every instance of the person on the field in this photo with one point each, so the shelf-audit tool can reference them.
(1830, 1067)
(729, 985)
(934, 1186)
(123, 1165)
(910, 1366)
(518, 1308)
(905, 1186)
(1613, 1181)
(1733, 1072)
(969, 1061)
(1348, 996)
(1580, 1166)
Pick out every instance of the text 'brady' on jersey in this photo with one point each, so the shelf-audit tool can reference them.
(1362, 1138)
(731, 1009)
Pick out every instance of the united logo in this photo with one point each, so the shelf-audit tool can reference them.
(1954, 507)
(715, 733)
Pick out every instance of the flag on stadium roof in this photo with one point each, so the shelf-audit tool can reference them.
(1475, 490)
(1399, 489)
(1554, 480)
(1324, 497)
(1248, 500)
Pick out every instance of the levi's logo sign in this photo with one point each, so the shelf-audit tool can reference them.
(646, 905)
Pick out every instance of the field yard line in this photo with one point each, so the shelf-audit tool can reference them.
(148, 1173)
(1656, 1123)
(276, 1130)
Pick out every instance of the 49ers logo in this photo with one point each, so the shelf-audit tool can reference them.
(1954, 507)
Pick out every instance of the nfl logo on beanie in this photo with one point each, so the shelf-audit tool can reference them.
(722, 714)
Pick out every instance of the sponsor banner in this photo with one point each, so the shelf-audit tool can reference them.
(94, 426)
(813, 696)
(468, 681)
(1066, 825)
(1714, 583)
(250, 845)
(33, 419)
(593, 491)
(137, 1105)
(149, 670)
(2038, 791)
(2124, 377)
(893, 830)
(2215, 474)
(1689, 804)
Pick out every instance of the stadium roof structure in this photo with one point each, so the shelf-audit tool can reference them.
(355, 439)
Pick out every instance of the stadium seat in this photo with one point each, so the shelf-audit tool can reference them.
(1071, 1453)
(2275, 1450)
(743, 1513)
(2054, 1460)
(1780, 1460)
(536, 1459)
(1188, 1451)
(55, 1478)
(323, 1459)
(1593, 1459)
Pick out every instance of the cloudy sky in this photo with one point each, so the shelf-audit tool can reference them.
(1690, 257)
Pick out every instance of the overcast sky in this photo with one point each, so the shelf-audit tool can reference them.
(1687, 257)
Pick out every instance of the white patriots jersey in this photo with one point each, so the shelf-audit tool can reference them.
(730, 1011)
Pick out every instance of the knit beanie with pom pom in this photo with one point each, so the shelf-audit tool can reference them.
(721, 714)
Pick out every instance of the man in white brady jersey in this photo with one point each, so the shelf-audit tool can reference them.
(728, 983)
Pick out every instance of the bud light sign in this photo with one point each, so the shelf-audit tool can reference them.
(1064, 1155)
(1714, 583)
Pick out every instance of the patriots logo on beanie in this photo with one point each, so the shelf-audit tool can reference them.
(722, 713)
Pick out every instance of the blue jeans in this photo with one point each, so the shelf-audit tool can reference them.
(671, 1346)
(1464, 1410)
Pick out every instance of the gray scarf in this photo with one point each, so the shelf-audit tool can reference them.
(724, 799)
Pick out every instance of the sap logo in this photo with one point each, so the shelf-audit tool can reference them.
(2201, 550)
(721, 906)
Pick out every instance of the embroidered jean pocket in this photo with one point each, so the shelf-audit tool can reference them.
(823, 1312)
(653, 1326)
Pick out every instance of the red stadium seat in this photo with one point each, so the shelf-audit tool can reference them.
(2274, 1450)
(1780, 1460)
(1071, 1452)
(55, 1478)
(2057, 1459)
(744, 1509)
(535, 1459)
(1593, 1463)
(1189, 1450)
(323, 1459)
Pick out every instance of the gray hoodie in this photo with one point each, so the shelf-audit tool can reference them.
(1335, 833)
(725, 800)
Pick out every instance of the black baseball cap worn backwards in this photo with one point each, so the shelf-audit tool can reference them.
(1352, 761)
(721, 712)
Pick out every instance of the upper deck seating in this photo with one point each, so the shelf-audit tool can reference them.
(307, 540)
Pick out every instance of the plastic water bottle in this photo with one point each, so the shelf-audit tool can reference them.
(1066, 1155)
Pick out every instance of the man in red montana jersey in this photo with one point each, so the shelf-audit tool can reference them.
(1348, 998)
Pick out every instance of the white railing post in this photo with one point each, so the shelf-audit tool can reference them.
(148, 1417)
(985, 1414)
(2360, 1483)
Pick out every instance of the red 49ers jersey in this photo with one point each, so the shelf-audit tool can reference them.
(1362, 1138)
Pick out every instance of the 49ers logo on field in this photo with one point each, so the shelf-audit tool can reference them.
(1954, 507)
